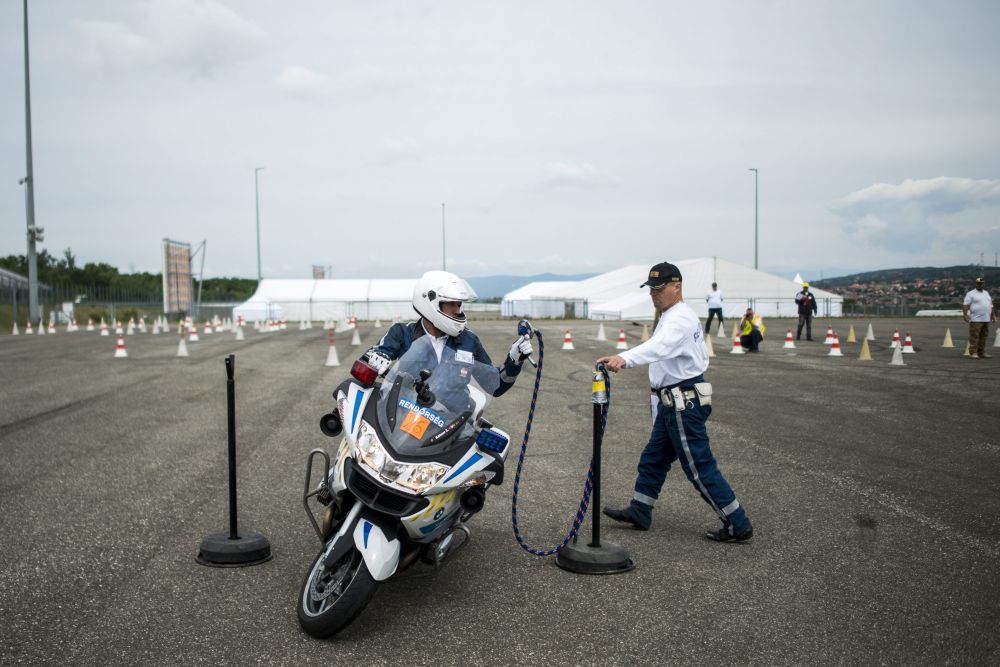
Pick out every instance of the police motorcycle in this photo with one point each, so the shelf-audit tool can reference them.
(413, 466)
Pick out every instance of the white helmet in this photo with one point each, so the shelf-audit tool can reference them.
(435, 287)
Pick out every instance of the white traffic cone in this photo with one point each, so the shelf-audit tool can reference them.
(789, 341)
(568, 341)
(996, 341)
(871, 333)
(645, 333)
(600, 332)
(908, 345)
(721, 333)
(142, 325)
(737, 346)
(156, 327)
(966, 353)
(829, 335)
(90, 324)
(356, 338)
(15, 332)
(130, 330)
(41, 328)
(120, 349)
(28, 330)
(52, 326)
(182, 348)
(193, 333)
(104, 328)
(208, 328)
(835, 347)
(239, 334)
(118, 328)
(621, 344)
(708, 345)
(947, 339)
(895, 340)
(331, 356)
(897, 356)
(283, 326)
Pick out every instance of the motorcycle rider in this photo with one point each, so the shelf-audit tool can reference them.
(437, 298)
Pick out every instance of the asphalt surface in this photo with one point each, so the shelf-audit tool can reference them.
(873, 490)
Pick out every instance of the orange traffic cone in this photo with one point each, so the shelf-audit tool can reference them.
(829, 335)
(789, 341)
(90, 324)
(568, 341)
(908, 345)
(120, 350)
(104, 328)
(835, 347)
(737, 346)
(192, 333)
(621, 344)
(895, 339)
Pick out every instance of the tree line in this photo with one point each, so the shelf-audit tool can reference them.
(55, 271)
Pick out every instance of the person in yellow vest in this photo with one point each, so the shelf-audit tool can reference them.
(751, 331)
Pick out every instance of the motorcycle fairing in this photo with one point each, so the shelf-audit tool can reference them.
(381, 552)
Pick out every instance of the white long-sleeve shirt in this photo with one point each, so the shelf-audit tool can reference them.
(675, 352)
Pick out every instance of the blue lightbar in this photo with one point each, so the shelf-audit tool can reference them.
(491, 440)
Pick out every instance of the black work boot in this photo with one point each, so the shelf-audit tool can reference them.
(726, 534)
(630, 516)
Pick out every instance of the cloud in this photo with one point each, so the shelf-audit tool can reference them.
(582, 175)
(399, 149)
(907, 216)
(198, 37)
(302, 82)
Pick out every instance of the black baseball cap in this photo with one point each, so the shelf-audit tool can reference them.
(661, 274)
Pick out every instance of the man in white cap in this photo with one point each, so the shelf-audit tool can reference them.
(977, 310)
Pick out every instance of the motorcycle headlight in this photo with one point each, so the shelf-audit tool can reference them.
(417, 477)
(422, 476)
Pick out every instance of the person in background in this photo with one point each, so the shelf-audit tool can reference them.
(714, 299)
(977, 310)
(751, 331)
(807, 308)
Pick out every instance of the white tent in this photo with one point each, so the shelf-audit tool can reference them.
(616, 295)
(329, 300)
(540, 299)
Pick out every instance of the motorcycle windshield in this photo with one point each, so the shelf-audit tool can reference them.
(428, 423)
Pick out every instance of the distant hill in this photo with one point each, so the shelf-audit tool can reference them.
(965, 274)
(492, 287)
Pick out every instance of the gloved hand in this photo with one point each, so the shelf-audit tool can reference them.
(379, 362)
(520, 349)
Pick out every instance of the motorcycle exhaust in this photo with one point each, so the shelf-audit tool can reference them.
(472, 500)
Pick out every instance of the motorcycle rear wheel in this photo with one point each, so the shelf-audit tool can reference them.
(348, 587)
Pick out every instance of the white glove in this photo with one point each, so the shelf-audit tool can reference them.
(379, 362)
(520, 349)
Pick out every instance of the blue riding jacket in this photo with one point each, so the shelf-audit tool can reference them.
(400, 337)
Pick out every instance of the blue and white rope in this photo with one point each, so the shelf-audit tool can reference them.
(588, 487)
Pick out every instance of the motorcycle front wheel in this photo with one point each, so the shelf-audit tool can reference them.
(332, 598)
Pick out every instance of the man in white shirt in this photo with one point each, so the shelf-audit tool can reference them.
(714, 299)
(681, 401)
(977, 310)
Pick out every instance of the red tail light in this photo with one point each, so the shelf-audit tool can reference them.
(364, 374)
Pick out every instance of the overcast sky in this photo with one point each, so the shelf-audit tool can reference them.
(563, 136)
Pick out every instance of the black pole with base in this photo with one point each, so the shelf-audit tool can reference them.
(596, 558)
(233, 549)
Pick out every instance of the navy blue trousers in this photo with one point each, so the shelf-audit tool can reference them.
(667, 444)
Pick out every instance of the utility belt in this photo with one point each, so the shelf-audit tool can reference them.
(682, 395)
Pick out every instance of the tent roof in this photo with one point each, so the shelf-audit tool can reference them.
(541, 288)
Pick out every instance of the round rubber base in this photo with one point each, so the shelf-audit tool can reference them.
(218, 550)
(609, 558)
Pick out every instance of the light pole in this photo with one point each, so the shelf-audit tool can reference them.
(256, 195)
(29, 182)
(755, 226)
